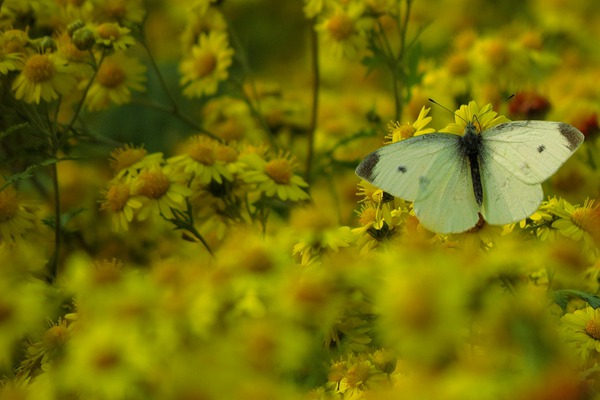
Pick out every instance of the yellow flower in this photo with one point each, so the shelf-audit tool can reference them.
(581, 329)
(344, 30)
(207, 65)
(400, 131)
(483, 118)
(199, 24)
(121, 204)
(156, 185)
(121, 11)
(44, 77)
(112, 35)
(128, 160)
(12, 50)
(15, 216)
(204, 160)
(117, 76)
(579, 222)
(275, 178)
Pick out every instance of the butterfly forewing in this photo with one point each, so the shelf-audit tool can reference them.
(531, 150)
(398, 168)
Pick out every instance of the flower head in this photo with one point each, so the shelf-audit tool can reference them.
(15, 216)
(275, 178)
(117, 76)
(43, 77)
(205, 160)
(406, 130)
(120, 204)
(207, 65)
(112, 35)
(344, 30)
(161, 192)
(579, 222)
(581, 329)
(483, 118)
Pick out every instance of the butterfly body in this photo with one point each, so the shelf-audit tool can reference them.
(453, 179)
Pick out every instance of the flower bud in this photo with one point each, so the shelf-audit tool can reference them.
(83, 39)
(74, 26)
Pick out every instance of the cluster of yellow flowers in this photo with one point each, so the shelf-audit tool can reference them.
(230, 251)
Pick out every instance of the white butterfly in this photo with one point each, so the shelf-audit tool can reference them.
(453, 179)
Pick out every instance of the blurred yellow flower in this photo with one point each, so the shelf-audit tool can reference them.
(207, 65)
(274, 178)
(581, 330)
(482, 117)
(112, 35)
(344, 30)
(117, 76)
(43, 77)
(16, 218)
(12, 50)
(120, 204)
(204, 160)
(155, 184)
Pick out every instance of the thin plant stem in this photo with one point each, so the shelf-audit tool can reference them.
(314, 41)
(174, 110)
(53, 262)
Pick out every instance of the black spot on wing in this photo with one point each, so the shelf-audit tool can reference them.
(541, 148)
(365, 168)
(572, 134)
(402, 169)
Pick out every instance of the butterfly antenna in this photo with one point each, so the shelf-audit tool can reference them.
(447, 109)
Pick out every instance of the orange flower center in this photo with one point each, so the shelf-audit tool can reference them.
(367, 216)
(358, 374)
(588, 219)
(39, 68)
(9, 205)
(497, 54)
(458, 65)
(56, 336)
(109, 31)
(116, 198)
(592, 328)
(280, 170)
(340, 27)
(110, 75)
(226, 154)
(107, 360)
(203, 153)
(205, 63)
(155, 184)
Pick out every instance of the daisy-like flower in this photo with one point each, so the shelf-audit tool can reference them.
(343, 31)
(275, 178)
(406, 130)
(119, 11)
(15, 216)
(156, 185)
(120, 204)
(579, 222)
(43, 77)
(207, 65)
(127, 160)
(117, 77)
(112, 35)
(581, 329)
(12, 50)
(483, 118)
(205, 160)
(78, 60)
(199, 24)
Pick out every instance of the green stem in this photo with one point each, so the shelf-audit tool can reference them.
(86, 90)
(174, 110)
(314, 40)
(53, 267)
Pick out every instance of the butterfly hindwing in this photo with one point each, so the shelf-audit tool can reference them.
(506, 198)
(531, 150)
(446, 201)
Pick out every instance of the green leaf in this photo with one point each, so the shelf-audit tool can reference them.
(561, 297)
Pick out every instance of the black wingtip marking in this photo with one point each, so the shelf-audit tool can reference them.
(572, 134)
(402, 169)
(365, 168)
(541, 148)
